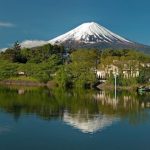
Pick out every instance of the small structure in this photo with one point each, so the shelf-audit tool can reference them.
(101, 74)
(127, 73)
(21, 73)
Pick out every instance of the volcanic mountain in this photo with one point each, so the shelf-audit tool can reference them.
(90, 35)
(93, 35)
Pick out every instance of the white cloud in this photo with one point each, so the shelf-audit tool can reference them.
(29, 44)
(6, 24)
(2, 49)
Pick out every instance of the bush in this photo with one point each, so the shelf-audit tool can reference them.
(144, 76)
(64, 77)
(7, 70)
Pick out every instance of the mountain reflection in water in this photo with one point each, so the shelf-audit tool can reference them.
(89, 123)
(86, 110)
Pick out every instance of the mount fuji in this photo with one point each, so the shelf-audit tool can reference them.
(93, 35)
(89, 35)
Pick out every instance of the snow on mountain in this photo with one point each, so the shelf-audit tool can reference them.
(89, 33)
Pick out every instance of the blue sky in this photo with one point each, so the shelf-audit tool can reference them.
(45, 19)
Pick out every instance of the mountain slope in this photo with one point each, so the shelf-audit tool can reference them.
(90, 33)
(93, 35)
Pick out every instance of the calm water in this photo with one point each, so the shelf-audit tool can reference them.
(43, 119)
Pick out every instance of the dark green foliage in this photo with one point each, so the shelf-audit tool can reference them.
(126, 54)
(121, 81)
(14, 54)
(40, 63)
(34, 55)
(9, 54)
(43, 53)
(144, 75)
(80, 72)
(64, 77)
(7, 70)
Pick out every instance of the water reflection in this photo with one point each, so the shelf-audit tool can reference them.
(87, 110)
(21, 91)
(125, 99)
(89, 123)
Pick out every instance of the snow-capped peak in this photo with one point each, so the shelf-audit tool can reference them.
(89, 33)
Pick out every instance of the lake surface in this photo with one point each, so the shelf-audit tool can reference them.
(56, 119)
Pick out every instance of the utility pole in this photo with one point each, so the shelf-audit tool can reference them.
(115, 75)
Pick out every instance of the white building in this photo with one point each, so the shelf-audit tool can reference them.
(112, 69)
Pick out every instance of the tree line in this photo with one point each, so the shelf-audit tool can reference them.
(66, 67)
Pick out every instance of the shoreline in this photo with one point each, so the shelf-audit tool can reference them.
(49, 84)
(53, 84)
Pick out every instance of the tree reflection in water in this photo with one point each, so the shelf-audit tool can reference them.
(88, 110)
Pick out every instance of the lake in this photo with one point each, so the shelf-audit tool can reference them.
(55, 119)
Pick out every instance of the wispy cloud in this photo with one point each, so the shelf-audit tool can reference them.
(6, 24)
(2, 49)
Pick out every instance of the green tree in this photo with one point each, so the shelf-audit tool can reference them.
(83, 66)
(144, 76)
